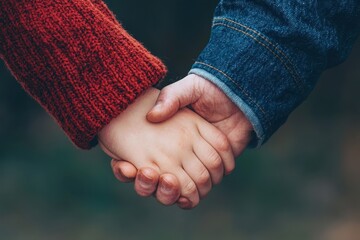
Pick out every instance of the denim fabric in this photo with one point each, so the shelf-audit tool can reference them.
(245, 108)
(267, 55)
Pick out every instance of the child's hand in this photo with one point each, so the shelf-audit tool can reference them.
(188, 147)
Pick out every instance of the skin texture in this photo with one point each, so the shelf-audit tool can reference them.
(185, 150)
(208, 101)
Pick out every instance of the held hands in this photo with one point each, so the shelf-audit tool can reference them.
(185, 149)
(208, 101)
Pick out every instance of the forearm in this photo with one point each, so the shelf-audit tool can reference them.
(268, 55)
(76, 60)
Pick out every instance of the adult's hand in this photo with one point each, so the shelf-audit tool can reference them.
(207, 100)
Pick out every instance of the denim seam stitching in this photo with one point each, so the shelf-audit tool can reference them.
(263, 37)
(284, 60)
(264, 45)
(241, 89)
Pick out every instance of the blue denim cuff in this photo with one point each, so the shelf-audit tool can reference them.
(256, 70)
(244, 107)
(268, 55)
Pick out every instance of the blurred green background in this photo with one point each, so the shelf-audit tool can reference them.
(303, 184)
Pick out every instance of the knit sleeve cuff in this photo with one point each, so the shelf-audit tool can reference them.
(77, 61)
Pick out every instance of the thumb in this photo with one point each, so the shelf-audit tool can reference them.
(174, 97)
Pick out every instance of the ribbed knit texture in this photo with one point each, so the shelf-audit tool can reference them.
(76, 60)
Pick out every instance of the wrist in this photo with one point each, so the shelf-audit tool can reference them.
(135, 112)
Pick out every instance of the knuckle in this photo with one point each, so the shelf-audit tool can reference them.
(164, 93)
(182, 133)
(203, 178)
(222, 143)
(190, 188)
(215, 161)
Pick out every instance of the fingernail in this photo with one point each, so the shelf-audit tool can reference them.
(159, 103)
(153, 111)
(157, 107)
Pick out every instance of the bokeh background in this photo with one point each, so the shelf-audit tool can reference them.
(303, 184)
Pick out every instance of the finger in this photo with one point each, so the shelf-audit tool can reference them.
(188, 189)
(184, 203)
(123, 170)
(168, 190)
(220, 143)
(199, 174)
(174, 97)
(146, 181)
(211, 160)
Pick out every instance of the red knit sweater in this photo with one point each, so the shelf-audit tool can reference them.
(76, 60)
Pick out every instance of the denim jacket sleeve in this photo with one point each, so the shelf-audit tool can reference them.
(267, 55)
